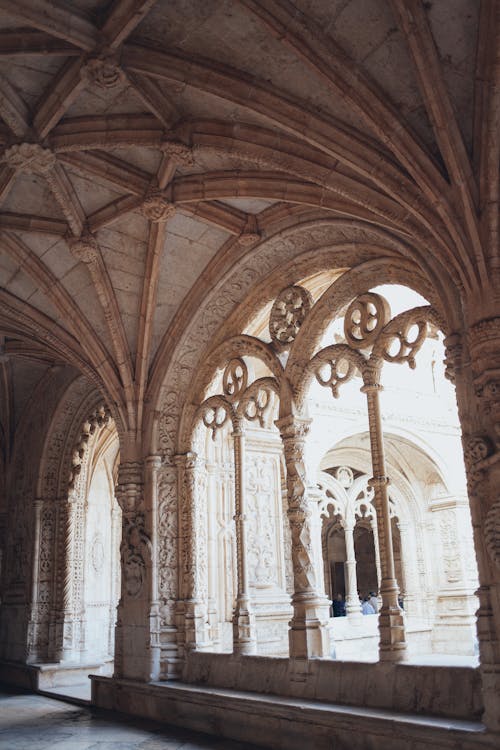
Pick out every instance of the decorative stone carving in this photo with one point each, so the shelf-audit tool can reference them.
(235, 378)
(85, 248)
(97, 552)
(129, 489)
(103, 71)
(492, 532)
(30, 158)
(453, 355)
(99, 418)
(345, 476)
(156, 207)
(135, 550)
(364, 319)
(261, 523)
(287, 315)
(293, 433)
(477, 448)
(178, 152)
(167, 533)
(450, 546)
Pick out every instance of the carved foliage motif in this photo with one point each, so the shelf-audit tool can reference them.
(167, 533)
(492, 532)
(260, 493)
(451, 550)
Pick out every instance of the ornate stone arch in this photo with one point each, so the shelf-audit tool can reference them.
(224, 312)
(61, 492)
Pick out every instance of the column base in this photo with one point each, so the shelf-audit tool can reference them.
(309, 627)
(196, 628)
(391, 625)
(490, 676)
(244, 630)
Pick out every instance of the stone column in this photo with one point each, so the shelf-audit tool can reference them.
(353, 606)
(309, 625)
(116, 516)
(392, 645)
(193, 632)
(376, 546)
(68, 620)
(244, 629)
(409, 563)
(212, 553)
(475, 369)
(152, 466)
(132, 636)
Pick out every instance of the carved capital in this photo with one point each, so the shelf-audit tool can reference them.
(293, 428)
(484, 345)
(30, 158)
(103, 71)
(129, 490)
(85, 248)
(156, 207)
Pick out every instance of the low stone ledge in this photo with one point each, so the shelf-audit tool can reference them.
(43, 676)
(452, 691)
(285, 722)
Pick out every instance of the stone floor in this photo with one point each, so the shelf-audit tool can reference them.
(35, 722)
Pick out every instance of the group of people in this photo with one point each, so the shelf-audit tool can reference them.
(369, 604)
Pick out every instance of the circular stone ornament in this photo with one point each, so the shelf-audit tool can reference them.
(364, 319)
(287, 315)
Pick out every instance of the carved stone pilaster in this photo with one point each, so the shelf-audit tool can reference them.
(132, 637)
(193, 622)
(480, 403)
(308, 629)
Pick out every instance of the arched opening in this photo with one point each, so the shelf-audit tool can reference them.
(368, 476)
(102, 533)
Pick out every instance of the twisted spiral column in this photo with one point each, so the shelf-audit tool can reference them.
(308, 635)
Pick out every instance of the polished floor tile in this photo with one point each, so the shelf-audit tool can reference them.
(35, 722)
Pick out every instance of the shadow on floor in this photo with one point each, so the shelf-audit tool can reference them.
(38, 722)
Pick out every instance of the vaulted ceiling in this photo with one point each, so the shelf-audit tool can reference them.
(146, 146)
